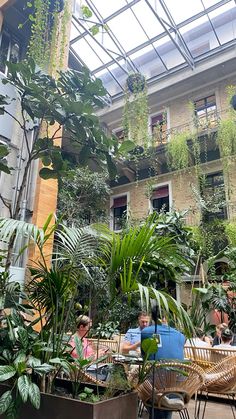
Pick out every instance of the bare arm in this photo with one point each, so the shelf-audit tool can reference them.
(127, 346)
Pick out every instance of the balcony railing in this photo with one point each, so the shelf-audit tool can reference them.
(200, 124)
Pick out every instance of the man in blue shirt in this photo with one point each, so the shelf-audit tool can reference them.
(132, 337)
(170, 347)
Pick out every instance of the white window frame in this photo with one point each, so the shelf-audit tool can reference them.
(112, 198)
(159, 185)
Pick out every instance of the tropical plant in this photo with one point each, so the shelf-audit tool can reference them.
(51, 295)
(49, 105)
(82, 197)
(134, 260)
(106, 330)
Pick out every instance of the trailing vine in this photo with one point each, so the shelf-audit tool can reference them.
(178, 151)
(226, 136)
(135, 116)
(48, 33)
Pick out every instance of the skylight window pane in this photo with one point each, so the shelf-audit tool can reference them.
(187, 9)
(156, 6)
(168, 52)
(86, 53)
(199, 36)
(224, 21)
(109, 44)
(109, 82)
(148, 62)
(108, 7)
(209, 3)
(104, 57)
(128, 30)
(148, 20)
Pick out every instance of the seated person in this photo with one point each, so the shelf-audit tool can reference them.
(132, 337)
(217, 338)
(83, 324)
(226, 340)
(170, 347)
(199, 341)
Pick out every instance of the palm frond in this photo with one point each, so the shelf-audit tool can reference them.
(8, 227)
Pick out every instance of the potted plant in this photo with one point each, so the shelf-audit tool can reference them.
(136, 82)
(30, 361)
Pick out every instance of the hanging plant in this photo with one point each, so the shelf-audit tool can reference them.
(48, 32)
(178, 151)
(226, 137)
(136, 82)
(135, 114)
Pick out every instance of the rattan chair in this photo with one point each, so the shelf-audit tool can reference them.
(170, 386)
(220, 379)
(206, 357)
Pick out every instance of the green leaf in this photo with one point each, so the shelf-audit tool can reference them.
(23, 384)
(94, 30)
(21, 358)
(83, 396)
(34, 395)
(149, 346)
(84, 154)
(43, 369)
(46, 173)
(88, 390)
(87, 13)
(33, 362)
(126, 146)
(6, 372)
(23, 337)
(5, 401)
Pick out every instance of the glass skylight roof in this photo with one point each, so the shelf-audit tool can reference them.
(150, 36)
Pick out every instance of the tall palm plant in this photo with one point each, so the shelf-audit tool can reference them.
(127, 259)
(141, 253)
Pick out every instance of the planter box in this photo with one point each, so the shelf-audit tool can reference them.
(56, 407)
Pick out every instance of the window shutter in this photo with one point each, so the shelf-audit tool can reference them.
(120, 202)
(160, 192)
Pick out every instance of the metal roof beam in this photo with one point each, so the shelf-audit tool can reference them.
(179, 26)
(112, 36)
(177, 31)
(181, 47)
(110, 72)
(151, 43)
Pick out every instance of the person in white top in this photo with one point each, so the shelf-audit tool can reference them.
(226, 339)
(199, 341)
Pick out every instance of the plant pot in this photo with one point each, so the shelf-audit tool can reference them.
(57, 407)
(233, 102)
(136, 82)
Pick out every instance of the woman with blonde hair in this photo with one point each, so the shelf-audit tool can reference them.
(83, 324)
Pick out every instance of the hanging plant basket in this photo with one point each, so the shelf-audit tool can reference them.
(135, 82)
(233, 102)
(58, 4)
